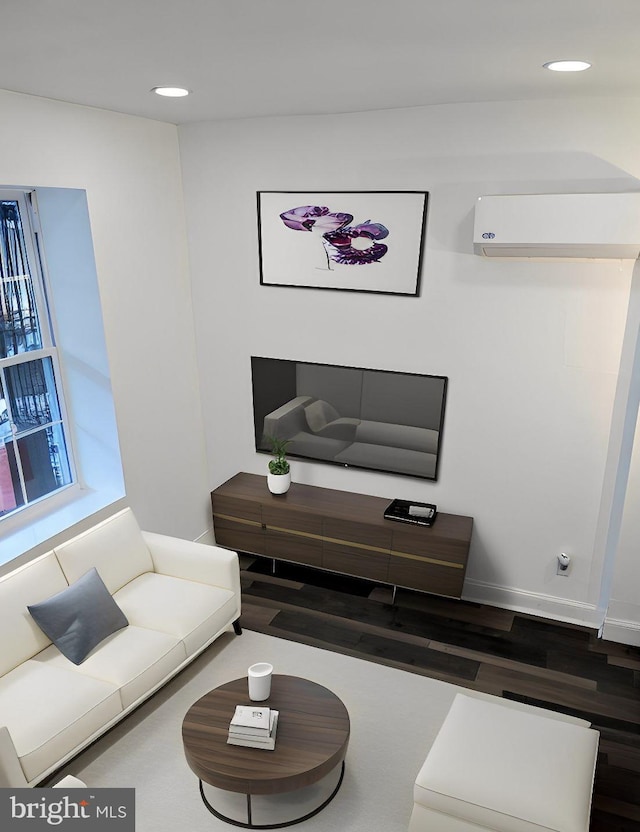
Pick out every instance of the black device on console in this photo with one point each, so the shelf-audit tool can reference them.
(410, 511)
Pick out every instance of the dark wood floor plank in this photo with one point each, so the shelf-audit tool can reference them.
(613, 648)
(456, 667)
(624, 661)
(256, 617)
(622, 785)
(519, 667)
(248, 579)
(492, 617)
(610, 815)
(621, 755)
(592, 702)
(610, 678)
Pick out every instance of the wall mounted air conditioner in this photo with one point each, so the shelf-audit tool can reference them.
(558, 225)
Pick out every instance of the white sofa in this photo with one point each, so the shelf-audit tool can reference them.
(178, 597)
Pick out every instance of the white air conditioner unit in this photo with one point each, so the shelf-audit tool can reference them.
(558, 225)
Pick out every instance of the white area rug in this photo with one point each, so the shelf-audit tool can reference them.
(395, 717)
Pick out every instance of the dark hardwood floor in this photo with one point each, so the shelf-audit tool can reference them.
(558, 666)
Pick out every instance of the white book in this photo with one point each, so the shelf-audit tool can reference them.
(251, 720)
(269, 745)
(256, 741)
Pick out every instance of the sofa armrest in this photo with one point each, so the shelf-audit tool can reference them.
(286, 421)
(194, 561)
(11, 774)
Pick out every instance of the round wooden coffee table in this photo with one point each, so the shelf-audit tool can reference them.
(311, 741)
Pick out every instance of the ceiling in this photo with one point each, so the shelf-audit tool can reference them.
(247, 58)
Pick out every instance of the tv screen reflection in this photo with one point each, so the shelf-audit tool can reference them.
(366, 418)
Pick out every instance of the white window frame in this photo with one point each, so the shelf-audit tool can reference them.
(28, 215)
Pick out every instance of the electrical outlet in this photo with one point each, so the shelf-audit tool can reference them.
(564, 562)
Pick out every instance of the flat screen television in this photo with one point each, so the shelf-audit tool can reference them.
(350, 416)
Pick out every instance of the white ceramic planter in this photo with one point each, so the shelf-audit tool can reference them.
(259, 679)
(279, 483)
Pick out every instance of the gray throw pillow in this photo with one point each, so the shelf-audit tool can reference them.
(80, 617)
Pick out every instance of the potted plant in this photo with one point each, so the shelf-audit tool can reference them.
(279, 476)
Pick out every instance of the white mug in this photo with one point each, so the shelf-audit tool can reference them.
(259, 676)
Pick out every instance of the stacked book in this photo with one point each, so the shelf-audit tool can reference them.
(254, 727)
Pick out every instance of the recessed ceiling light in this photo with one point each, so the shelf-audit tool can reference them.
(567, 66)
(171, 92)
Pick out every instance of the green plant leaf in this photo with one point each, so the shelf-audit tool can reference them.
(279, 465)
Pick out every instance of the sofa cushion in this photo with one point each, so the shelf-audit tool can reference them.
(69, 708)
(115, 547)
(485, 752)
(409, 437)
(197, 611)
(135, 660)
(80, 617)
(320, 447)
(33, 582)
(386, 458)
(343, 429)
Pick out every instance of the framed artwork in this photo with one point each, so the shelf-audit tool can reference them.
(359, 241)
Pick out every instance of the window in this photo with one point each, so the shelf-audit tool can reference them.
(35, 460)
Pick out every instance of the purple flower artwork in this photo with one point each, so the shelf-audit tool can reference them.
(348, 245)
(354, 241)
(307, 217)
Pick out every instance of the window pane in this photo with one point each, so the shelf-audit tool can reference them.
(10, 489)
(5, 426)
(31, 392)
(19, 328)
(31, 435)
(43, 457)
(45, 467)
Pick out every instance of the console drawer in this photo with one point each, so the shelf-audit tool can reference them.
(426, 576)
(241, 535)
(233, 507)
(292, 535)
(354, 548)
(237, 524)
(352, 560)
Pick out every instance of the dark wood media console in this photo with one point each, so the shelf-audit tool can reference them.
(342, 532)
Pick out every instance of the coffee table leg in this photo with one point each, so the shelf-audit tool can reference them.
(250, 825)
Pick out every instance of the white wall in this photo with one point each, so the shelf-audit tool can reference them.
(620, 588)
(531, 349)
(623, 616)
(130, 170)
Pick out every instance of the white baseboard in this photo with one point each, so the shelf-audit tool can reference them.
(532, 603)
(624, 632)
